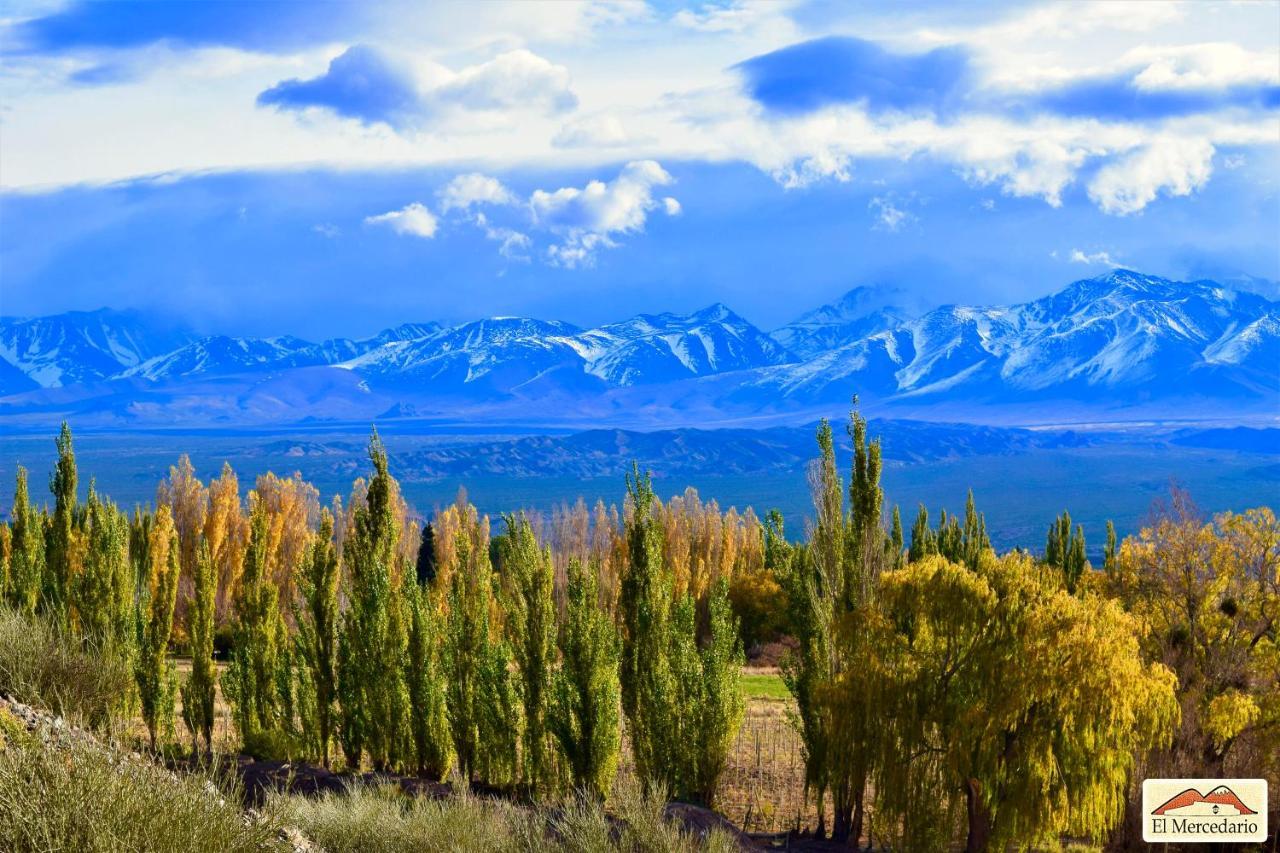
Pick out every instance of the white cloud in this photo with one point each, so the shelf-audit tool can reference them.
(327, 229)
(598, 131)
(1211, 65)
(516, 79)
(1079, 257)
(1174, 167)
(465, 191)
(413, 219)
(671, 206)
(587, 218)
(513, 244)
(889, 217)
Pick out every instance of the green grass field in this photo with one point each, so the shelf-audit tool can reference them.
(767, 685)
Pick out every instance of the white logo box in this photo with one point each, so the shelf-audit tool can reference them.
(1204, 810)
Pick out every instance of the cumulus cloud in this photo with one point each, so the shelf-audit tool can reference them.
(373, 87)
(588, 218)
(466, 191)
(361, 84)
(412, 220)
(1104, 258)
(1173, 167)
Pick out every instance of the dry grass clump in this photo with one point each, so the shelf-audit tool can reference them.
(84, 797)
(383, 819)
(39, 666)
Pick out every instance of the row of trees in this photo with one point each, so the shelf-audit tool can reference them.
(940, 689)
(350, 631)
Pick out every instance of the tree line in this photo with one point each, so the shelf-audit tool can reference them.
(941, 689)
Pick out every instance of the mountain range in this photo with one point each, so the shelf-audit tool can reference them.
(1120, 346)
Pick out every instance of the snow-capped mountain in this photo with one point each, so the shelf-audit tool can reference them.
(220, 355)
(861, 312)
(1121, 335)
(78, 347)
(1119, 343)
(669, 347)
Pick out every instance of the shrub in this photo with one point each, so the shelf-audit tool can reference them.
(91, 799)
(41, 666)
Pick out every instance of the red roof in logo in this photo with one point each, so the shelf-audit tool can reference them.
(1221, 795)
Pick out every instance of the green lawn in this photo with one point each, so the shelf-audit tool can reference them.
(764, 686)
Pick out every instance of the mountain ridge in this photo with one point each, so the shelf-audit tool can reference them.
(1122, 340)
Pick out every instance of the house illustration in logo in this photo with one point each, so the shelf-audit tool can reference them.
(1220, 802)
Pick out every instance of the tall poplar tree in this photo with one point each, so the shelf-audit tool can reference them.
(154, 672)
(425, 681)
(102, 594)
(374, 629)
(317, 621)
(585, 711)
(27, 559)
(198, 692)
(62, 541)
(252, 684)
(530, 613)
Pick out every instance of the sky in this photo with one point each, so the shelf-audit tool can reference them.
(334, 168)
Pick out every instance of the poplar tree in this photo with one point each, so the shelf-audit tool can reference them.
(102, 594)
(373, 633)
(649, 687)
(833, 586)
(585, 713)
(252, 679)
(154, 671)
(1065, 550)
(896, 554)
(426, 685)
(6, 555)
(27, 561)
(468, 650)
(198, 692)
(1111, 555)
(528, 577)
(317, 621)
(425, 567)
(62, 538)
(923, 542)
(683, 703)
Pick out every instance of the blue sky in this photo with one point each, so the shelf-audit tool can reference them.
(260, 167)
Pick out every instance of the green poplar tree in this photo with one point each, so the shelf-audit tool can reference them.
(469, 655)
(62, 539)
(1112, 553)
(374, 628)
(649, 687)
(585, 711)
(1065, 550)
(198, 692)
(530, 613)
(252, 684)
(26, 564)
(923, 542)
(896, 554)
(102, 593)
(317, 621)
(154, 672)
(425, 682)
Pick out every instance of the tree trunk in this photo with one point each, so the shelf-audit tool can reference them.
(979, 820)
(855, 828)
